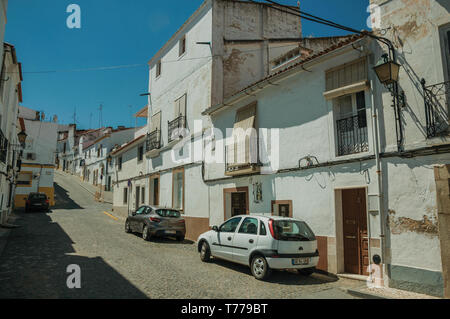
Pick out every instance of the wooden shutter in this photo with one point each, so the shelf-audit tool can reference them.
(180, 107)
(245, 119)
(156, 122)
(346, 79)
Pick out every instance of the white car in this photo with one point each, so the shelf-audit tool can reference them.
(263, 243)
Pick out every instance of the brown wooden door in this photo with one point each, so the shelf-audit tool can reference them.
(238, 204)
(356, 254)
(156, 191)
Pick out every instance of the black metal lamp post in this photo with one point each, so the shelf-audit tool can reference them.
(387, 70)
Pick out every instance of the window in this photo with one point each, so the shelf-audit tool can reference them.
(153, 141)
(242, 151)
(282, 208)
(178, 189)
(143, 195)
(24, 179)
(31, 156)
(119, 163)
(65, 147)
(445, 45)
(182, 46)
(262, 229)
(125, 195)
(175, 127)
(140, 153)
(158, 68)
(290, 230)
(249, 226)
(351, 124)
(345, 79)
(230, 226)
(142, 210)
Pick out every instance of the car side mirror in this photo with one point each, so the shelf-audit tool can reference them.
(215, 228)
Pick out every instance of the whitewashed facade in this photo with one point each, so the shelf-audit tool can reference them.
(10, 97)
(336, 150)
(221, 48)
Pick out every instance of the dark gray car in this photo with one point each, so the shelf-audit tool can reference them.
(154, 221)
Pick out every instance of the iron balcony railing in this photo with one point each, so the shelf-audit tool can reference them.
(3, 147)
(352, 135)
(153, 141)
(175, 128)
(437, 100)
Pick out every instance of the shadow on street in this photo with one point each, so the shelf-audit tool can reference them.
(63, 200)
(35, 260)
(291, 278)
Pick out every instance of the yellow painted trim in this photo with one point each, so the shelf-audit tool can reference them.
(31, 179)
(38, 165)
(113, 217)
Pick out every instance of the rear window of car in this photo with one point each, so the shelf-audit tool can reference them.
(168, 213)
(292, 230)
(38, 196)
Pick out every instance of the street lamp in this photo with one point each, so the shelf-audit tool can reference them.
(22, 136)
(387, 70)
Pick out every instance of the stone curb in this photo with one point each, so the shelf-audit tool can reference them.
(365, 295)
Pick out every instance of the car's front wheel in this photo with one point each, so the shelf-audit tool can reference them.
(146, 233)
(127, 227)
(205, 253)
(260, 268)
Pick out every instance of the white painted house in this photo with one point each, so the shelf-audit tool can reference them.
(10, 97)
(38, 157)
(94, 154)
(334, 152)
(223, 47)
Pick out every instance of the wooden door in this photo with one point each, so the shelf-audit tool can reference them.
(356, 254)
(238, 204)
(138, 193)
(156, 191)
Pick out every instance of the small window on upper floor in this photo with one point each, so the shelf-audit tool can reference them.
(140, 153)
(182, 46)
(158, 69)
(351, 124)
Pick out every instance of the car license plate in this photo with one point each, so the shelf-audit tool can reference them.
(37, 204)
(171, 232)
(300, 261)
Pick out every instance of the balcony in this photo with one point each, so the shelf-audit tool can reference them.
(3, 147)
(175, 128)
(437, 100)
(352, 137)
(153, 141)
(236, 165)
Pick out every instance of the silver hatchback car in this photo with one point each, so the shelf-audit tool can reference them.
(155, 221)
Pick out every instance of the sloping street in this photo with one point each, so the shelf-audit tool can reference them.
(118, 265)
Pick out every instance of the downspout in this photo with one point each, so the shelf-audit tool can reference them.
(375, 133)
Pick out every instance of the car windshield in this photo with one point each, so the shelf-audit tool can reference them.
(168, 213)
(292, 230)
(38, 196)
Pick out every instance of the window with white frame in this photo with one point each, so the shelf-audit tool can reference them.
(351, 124)
(178, 189)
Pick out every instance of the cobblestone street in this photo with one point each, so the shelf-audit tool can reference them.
(119, 265)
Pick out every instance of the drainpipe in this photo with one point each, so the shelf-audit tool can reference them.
(375, 133)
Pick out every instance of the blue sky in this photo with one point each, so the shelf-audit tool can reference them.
(114, 32)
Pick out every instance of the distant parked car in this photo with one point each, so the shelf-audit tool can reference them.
(154, 221)
(37, 201)
(263, 243)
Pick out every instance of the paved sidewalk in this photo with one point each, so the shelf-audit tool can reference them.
(386, 293)
(107, 196)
